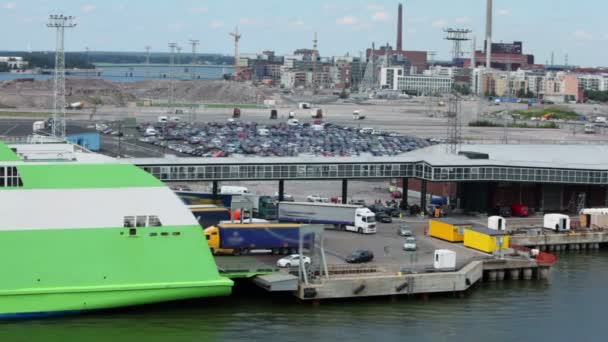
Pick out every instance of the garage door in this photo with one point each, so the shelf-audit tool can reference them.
(552, 197)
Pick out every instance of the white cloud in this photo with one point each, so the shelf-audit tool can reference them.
(375, 7)
(504, 12)
(582, 35)
(347, 20)
(10, 5)
(297, 23)
(463, 20)
(440, 23)
(198, 10)
(88, 8)
(216, 23)
(380, 16)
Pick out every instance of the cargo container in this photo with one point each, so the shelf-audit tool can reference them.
(594, 218)
(448, 230)
(241, 238)
(345, 217)
(485, 239)
(209, 215)
(557, 222)
(445, 260)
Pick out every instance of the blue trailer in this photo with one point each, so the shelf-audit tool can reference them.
(198, 198)
(209, 215)
(240, 238)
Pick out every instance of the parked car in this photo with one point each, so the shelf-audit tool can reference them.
(293, 260)
(409, 244)
(383, 217)
(360, 256)
(396, 194)
(404, 230)
(317, 198)
(357, 202)
(393, 212)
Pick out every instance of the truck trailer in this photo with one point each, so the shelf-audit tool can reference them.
(344, 217)
(209, 215)
(241, 238)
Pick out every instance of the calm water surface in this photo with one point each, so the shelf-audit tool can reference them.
(571, 306)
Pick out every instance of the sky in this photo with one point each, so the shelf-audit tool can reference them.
(575, 28)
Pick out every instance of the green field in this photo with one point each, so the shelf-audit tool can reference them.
(26, 114)
(563, 113)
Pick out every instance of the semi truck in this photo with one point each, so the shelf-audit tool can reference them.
(241, 238)
(264, 207)
(209, 215)
(197, 198)
(344, 217)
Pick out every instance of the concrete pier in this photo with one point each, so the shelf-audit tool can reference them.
(492, 275)
(514, 274)
(543, 273)
(500, 275)
(558, 240)
(527, 273)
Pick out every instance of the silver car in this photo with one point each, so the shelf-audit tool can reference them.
(404, 230)
(409, 244)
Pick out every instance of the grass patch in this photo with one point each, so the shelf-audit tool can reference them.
(549, 113)
(487, 123)
(205, 105)
(26, 114)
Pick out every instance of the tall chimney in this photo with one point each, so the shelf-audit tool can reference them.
(399, 28)
(489, 34)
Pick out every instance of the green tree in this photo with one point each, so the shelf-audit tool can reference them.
(344, 94)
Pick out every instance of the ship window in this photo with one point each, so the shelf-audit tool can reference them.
(208, 237)
(154, 221)
(9, 177)
(141, 221)
(129, 221)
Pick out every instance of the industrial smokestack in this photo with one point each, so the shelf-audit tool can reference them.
(489, 34)
(399, 28)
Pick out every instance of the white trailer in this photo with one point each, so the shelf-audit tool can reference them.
(353, 218)
(233, 190)
(557, 222)
(445, 260)
(497, 223)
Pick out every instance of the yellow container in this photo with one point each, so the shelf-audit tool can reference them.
(447, 230)
(485, 239)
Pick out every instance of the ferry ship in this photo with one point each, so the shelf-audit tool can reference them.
(81, 231)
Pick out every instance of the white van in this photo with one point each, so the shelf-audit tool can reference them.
(163, 119)
(233, 190)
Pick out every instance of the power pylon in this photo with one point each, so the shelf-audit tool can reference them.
(194, 43)
(172, 46)
(60, 23)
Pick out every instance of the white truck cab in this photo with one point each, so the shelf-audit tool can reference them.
(365, 221)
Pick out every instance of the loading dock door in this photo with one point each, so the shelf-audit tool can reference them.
(552, 197)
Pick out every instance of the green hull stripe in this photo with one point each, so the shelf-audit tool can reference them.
(6, 154)
(84, 176)
(94, 268)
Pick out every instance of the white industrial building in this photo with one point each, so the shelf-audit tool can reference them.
(389, 77)
(14, 62)
(422, 84)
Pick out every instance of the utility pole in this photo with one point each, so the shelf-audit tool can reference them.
(179, 55)
(60, 23)
(237, 38)
(510, 95)
(172, 46)
(194, 43)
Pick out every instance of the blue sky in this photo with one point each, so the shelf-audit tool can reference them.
(577, 28)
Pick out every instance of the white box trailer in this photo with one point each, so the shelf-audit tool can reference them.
(445, 260)
(497, 223)
(557, 222)
(346, 217)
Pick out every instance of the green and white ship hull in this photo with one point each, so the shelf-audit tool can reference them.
(89, 233)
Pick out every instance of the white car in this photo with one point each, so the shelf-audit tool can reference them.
(317, 199)
(293, 260)
(409, 244)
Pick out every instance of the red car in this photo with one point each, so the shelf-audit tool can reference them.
(520, 210)
(396, 194)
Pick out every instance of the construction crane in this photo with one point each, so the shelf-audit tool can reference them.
(237, 37)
